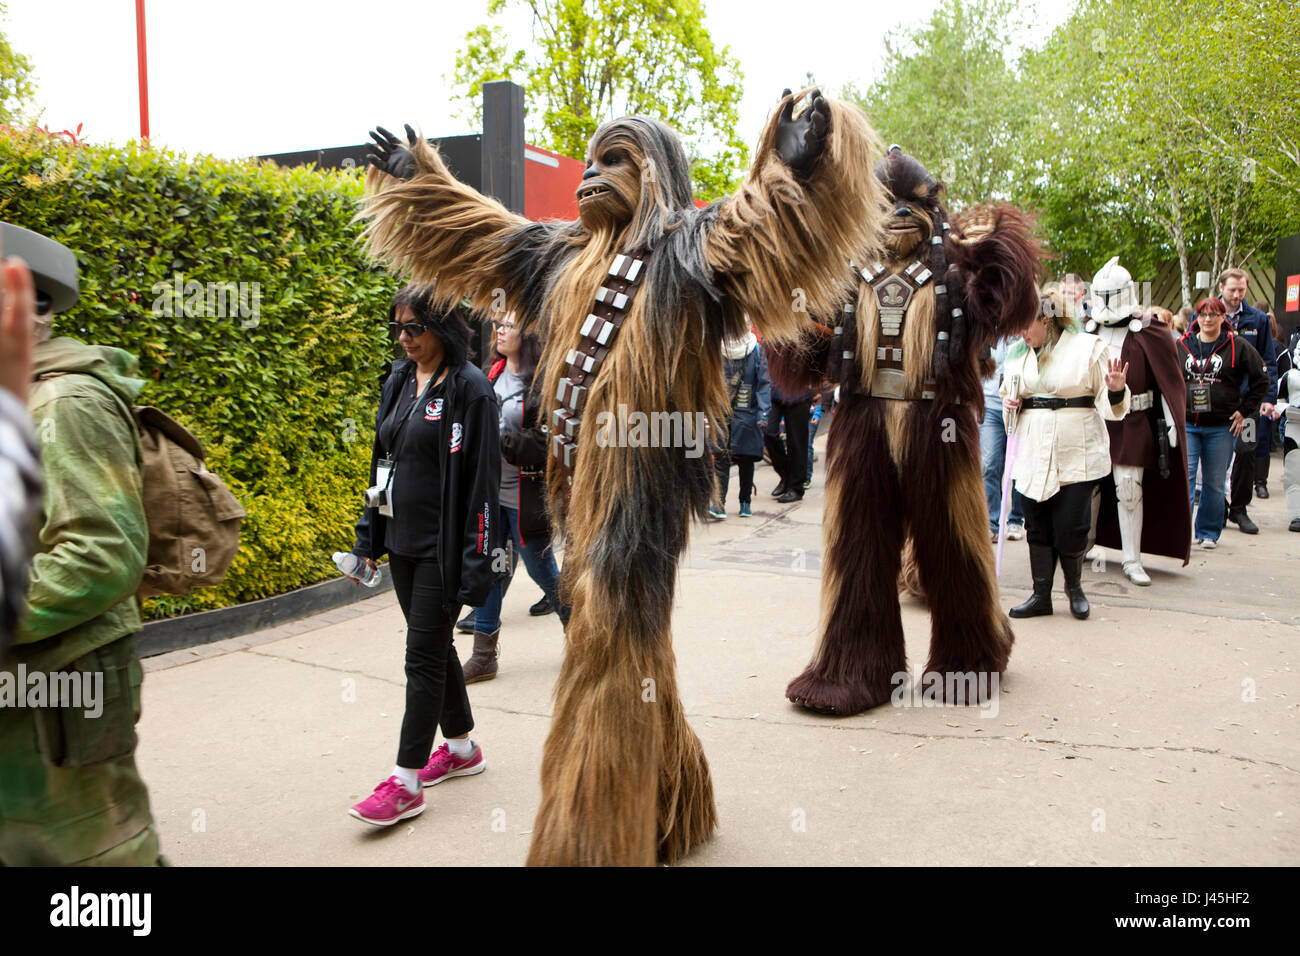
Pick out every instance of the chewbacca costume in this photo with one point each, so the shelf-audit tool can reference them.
(903, 458)
(633, 301)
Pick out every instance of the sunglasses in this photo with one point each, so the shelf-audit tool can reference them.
(501, 326)
(413, 329)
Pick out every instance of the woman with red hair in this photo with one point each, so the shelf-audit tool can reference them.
(1216, 363)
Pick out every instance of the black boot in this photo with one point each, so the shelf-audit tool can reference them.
(1042, 565)
(1072, 570)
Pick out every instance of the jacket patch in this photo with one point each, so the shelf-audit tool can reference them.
(433, 410)
(456, 433)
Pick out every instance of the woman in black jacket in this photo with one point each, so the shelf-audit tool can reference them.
(523, 517)
(1216, 364)
(434, 476)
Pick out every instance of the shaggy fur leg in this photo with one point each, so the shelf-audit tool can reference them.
(862, 629)
(945, 504)
(602, 760)
(909, 578)
(687, 813)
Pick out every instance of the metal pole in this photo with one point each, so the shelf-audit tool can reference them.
(141, 47)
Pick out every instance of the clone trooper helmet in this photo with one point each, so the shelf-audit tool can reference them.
(1113, 295)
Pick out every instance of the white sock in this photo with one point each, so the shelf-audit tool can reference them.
(461, 748)
(410, 778)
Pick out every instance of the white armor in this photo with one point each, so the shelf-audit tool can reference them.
(1114, 314)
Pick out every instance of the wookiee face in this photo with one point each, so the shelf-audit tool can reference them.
(913, 202)
(635, 167)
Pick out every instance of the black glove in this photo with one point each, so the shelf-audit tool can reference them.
(388, 154)
(800, 141)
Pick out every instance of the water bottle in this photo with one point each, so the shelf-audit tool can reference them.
(356, 568)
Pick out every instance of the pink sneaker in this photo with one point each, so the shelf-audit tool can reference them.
(444, 765)
(390, 803)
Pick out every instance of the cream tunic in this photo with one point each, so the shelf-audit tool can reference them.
(1070, 444)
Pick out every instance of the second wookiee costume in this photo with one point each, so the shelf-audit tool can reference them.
(1140, 510)
(634, 300)
(903, 457)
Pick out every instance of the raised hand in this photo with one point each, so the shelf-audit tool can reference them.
(388, 154)
(975, 225)
(800, 141)
(17, 320)
(1116, 376)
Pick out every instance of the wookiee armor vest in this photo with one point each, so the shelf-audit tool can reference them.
(894, 294)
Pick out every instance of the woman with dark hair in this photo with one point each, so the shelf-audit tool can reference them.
(1216, 361)
(433, 509)
(1058, 390)
(523, 516)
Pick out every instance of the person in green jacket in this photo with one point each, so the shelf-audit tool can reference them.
(70, 689)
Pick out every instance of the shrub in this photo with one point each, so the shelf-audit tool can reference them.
(271, 353)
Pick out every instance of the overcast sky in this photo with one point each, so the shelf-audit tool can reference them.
(248, 77)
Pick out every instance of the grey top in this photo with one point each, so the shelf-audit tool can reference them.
(509, 389)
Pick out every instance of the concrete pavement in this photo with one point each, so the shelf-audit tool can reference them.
(1162, 731)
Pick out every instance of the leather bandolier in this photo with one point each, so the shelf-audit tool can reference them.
(599, 330)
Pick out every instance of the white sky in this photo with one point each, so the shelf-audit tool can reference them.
(246, 77)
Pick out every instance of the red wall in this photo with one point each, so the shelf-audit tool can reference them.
(550, 184)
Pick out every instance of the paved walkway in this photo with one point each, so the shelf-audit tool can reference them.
(1161, 731)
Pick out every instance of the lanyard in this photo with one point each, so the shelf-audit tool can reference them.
(401, 425)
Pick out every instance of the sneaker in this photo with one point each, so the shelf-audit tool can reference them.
(541, 608)
(1243, 522)
(791, 496)
(807, 484)
(1209, 544)
(1261, 490)
(994, 535)
(1015, 532)
(745, 510)
(444, 765)
(717, 514)
(1294, 525)
(1197, 541)
(390, 803)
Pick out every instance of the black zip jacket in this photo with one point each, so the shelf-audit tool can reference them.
(470, 457)
(526, 450)
(1236, 375)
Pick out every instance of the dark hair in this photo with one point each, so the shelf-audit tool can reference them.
(530, 354)
(451, 327)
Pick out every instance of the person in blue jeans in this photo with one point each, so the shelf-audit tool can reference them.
(524, 521)
(1226, 383)
(993, 450)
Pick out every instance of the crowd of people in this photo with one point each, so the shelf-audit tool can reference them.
(460, 453)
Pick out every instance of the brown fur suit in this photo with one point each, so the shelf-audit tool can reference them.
(624, 778)
(909, 468)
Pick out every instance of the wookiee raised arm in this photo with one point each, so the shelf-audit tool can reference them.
(633, 300)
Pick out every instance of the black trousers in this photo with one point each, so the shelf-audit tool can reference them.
(1063, 521)
(722, 462)
(789, 458)
(1242, 483)
(435, 684)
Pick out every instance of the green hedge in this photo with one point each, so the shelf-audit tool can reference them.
(280, 384)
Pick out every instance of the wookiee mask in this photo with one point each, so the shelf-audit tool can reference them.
(912, 204)
(637, 178)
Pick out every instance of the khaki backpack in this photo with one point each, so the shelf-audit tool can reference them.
(193, 517)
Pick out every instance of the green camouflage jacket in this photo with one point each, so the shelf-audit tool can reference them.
(94, 539)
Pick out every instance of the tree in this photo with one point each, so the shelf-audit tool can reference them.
(16, 84)
(949, 95)
(594, 60)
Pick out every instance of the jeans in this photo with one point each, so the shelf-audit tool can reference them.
(812, 434)
(1210, 446)
(993, 451)
(540, 562)
(435, 683)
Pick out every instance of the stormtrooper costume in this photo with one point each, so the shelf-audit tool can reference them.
(1148, 446)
